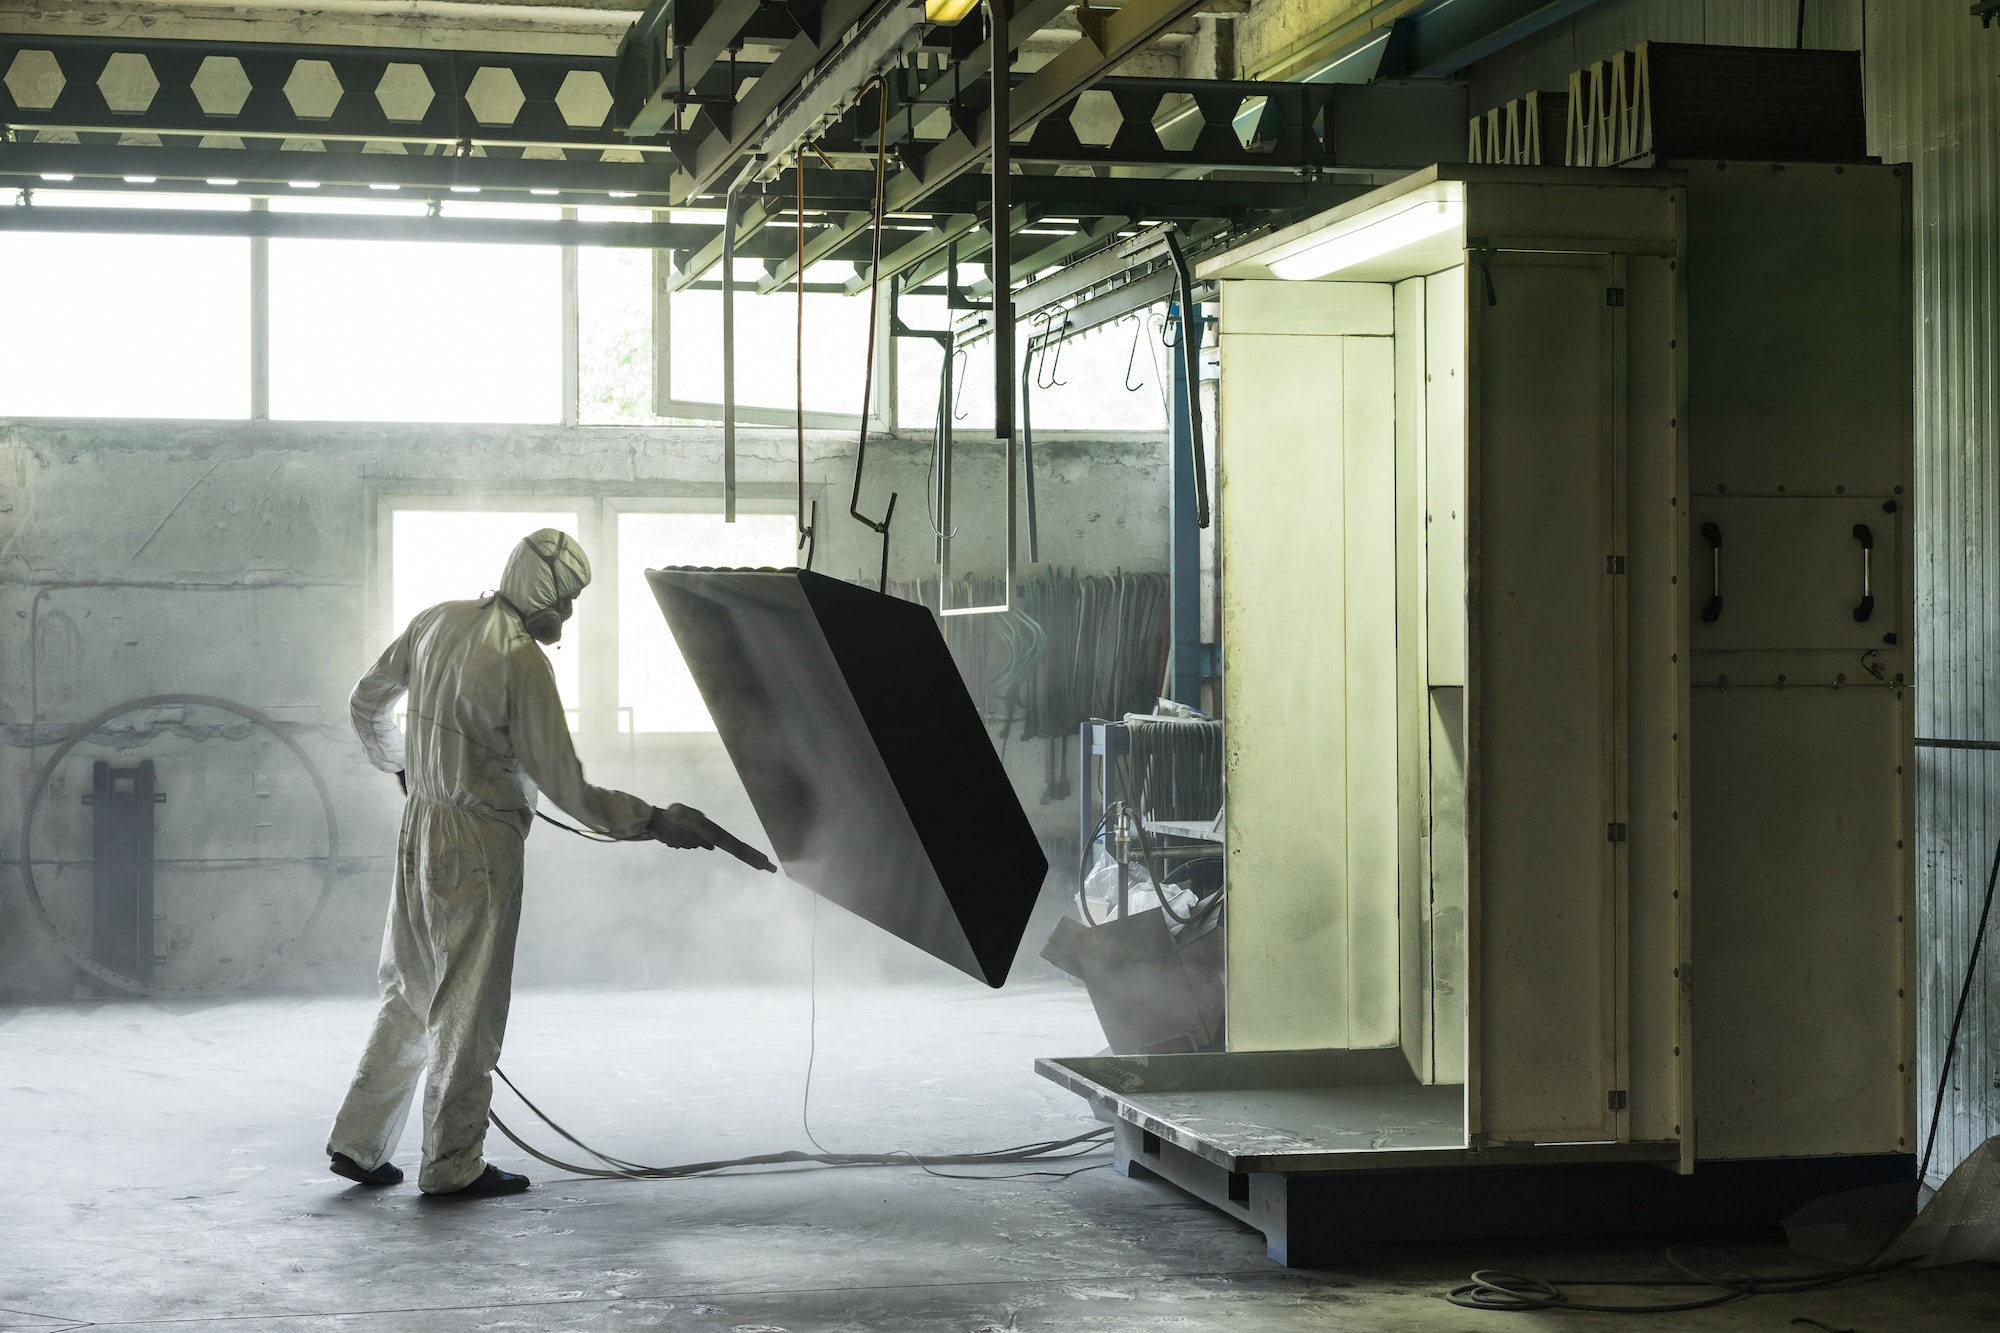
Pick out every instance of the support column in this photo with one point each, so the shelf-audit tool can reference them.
(260, 320)
(572, 340)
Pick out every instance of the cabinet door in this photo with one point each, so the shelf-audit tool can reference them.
(1546, 735)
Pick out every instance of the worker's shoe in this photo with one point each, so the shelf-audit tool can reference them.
(385, 1174)
(491, 1181)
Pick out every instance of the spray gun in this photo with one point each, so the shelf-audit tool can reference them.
(684, 826)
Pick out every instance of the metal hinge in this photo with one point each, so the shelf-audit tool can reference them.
(1614, 564)
(1614, 833)
(1614, 296)
(1617, 1099)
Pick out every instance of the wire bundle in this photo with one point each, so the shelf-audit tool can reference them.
(1172, 768)
(1078, 647)
(1107, 639)
(1087, 1144)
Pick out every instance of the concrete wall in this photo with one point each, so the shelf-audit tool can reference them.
(238, 560)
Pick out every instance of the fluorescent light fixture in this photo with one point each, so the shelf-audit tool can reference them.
(303, 185)
(1418, 223)
(222, 180)
(948, 11)
(545, 192)
(623, 194)
(465, 189)
(373, 186)
(57, 176)
(141, 180)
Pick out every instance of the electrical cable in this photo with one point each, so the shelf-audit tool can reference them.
(1089, 1143)
(1493, 1290)
(812, 1031)
(585, 834)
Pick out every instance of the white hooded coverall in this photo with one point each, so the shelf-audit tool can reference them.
(486, 729)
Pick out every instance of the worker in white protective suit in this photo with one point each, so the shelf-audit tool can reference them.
(486, 730)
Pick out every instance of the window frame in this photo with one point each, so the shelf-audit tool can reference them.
(882, 410)
(759, 499)
(441, 497)
(598, 510)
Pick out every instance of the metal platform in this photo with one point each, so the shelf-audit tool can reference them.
(1324, 1151)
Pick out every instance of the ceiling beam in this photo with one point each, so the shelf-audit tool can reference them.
(1064, 78)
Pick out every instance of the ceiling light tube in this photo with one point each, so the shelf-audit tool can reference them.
(141, 180)
(948, 11)
(57, 176)
(1418, 223)
(303, 185)
(222, 180)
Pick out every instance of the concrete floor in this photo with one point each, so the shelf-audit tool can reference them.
(167, 1169)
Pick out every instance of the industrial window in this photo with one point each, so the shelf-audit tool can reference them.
(620, 325)
(125, 326)
(653, 679)
(414, 330)
(614, 337)
(441, 555)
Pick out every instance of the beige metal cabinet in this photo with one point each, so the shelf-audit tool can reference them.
(1608, 869)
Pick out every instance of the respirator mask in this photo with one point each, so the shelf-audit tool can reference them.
(544, 625)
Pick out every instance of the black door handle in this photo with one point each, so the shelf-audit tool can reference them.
(1867, 540)
(1713, 611)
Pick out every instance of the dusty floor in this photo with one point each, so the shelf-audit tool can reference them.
(167, 1170)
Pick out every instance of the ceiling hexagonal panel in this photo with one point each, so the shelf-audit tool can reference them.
(405, 92)
(128, 82)
(313, 89)
(34, 80)
(583, 99)
(1096, 118)
(494, 96)
(220, 85)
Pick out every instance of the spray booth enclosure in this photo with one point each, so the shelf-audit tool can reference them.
(1566, 613)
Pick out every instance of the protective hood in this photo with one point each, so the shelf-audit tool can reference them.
(545, 571)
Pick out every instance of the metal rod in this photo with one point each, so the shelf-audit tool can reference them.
(729, 354)
(1191, 352)
(804, 535)
(1002, 257)
(1001, 118)
(662, 324)
(941, 432)
(44, 216)
(874, 318)
(1038, 344)
(1001, 252)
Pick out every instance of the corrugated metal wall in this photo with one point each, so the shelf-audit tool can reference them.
(1933, 78)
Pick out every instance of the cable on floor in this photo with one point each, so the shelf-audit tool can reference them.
(1493, 1290)
(1088, 1144)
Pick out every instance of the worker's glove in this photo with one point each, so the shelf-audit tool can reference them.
(673, 826)
(684, 826)
(402, 782)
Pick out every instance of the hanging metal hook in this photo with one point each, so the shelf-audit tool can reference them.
(1132, 357)
(1039, 347)
(1055, 364)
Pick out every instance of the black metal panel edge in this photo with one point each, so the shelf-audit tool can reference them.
(939, 754)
